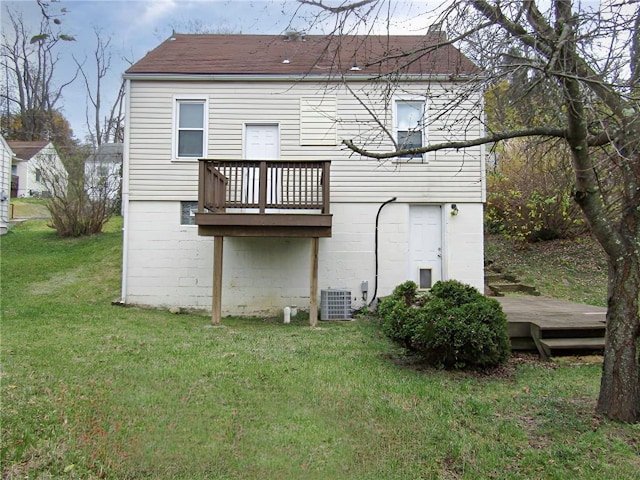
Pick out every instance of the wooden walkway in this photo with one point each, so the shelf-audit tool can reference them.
(553, 326)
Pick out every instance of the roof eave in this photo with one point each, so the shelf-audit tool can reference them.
(275, 77)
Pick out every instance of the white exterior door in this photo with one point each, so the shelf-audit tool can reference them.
(261, 142)
(425, 244)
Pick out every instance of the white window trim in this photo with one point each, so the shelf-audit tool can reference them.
(425, 130)
(174, 138)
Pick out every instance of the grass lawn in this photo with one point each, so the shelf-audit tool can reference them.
(573, 270)
(91, 390)
(28, 208)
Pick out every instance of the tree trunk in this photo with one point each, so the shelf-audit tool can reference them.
(620, 386)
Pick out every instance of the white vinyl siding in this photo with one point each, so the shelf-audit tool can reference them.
(6, 170)
(318, 120)
(450, 176)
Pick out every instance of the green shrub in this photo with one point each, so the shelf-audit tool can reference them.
(397, 313)
(530, 194)
(454, 326)
(455, 293)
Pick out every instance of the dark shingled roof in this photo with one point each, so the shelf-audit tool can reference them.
(26, 150)
(303, 55)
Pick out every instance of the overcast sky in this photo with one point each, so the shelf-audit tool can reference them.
(137, 26)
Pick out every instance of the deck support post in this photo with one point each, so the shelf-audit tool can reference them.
(313, 307)
(216, 307)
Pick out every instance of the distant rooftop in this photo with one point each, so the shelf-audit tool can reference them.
(304, 55)
(107, 153)
(26, 150)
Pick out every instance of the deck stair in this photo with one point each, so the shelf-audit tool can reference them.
(553, 326)
(551, 336)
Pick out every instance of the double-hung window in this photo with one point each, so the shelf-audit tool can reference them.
(190, 128)
(409, 126)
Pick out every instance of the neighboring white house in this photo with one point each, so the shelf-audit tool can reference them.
(275, 98)
(103, 172)
(37, 160)
(6, 156)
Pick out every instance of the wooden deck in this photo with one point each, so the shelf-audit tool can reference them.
(264, 198)
(553, 326)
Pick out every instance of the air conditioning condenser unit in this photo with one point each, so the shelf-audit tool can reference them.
(335, 304)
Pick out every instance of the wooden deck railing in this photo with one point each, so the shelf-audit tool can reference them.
(263, 185)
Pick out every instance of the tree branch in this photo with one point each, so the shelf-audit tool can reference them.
(583, 70)
(342, 8)
(419, 52)
(635, 53)
(375, 117)
(496, 137)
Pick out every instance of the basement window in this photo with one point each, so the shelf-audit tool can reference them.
(188, 212)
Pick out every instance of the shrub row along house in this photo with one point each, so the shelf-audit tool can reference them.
(236, 140)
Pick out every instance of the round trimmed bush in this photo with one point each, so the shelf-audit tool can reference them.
(453, 326)
(398, 315)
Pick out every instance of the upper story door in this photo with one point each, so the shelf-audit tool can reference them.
(261, 142)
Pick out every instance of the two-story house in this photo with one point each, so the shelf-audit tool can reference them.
(236, 140)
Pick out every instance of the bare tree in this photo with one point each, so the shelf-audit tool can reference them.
(30, 60)
(590, 58)
(111, 127)
(82, 197)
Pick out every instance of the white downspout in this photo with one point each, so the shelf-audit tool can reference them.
(125, 191)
